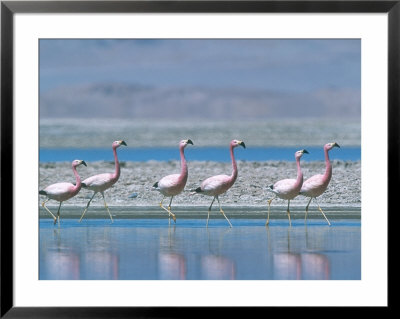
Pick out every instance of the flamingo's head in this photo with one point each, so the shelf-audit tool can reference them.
(118, 143)
(76, 163)
(235, 143)
(183, 143)
(329, 146)
(300, 153)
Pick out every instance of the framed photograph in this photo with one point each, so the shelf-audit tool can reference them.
(164, 155)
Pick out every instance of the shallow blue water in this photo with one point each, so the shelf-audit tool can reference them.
(147, 249)
(197, 154)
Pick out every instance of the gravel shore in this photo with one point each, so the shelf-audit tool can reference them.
(134, 187)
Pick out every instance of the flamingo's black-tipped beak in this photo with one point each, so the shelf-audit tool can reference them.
(242, 144)
(305, 151)
(335, 144)
(123, 143)
(84, 163)
(189, 142)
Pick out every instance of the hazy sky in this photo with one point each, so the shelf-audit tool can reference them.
(290, 67)
(284, 65)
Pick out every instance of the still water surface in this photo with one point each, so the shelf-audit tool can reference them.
(147, 249)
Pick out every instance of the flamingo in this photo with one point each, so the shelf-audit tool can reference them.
(101, 182)
(62, 191)
(219, 184)
(172, 185)
(317, 184)
(287, 188)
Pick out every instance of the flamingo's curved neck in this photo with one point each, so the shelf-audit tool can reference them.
(234, 166)
(299, 180)
(77, 186)
(117, 169)
(184, 169)
(328, 170)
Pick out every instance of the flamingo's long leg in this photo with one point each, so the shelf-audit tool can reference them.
(288, 213)
(222, 212)
(169, 209)
(106, 206)
(169, 212)
(209, 209)
(58, 215)
(322, 212)
(269, 206)
(87, 206)
(170, 202)
(305, 218)
(43, 205)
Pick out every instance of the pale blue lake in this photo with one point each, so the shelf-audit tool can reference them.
(150, 249)
(218, 154)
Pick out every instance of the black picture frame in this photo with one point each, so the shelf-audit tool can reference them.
(9, 8)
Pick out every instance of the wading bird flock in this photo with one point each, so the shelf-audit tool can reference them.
(172, 185)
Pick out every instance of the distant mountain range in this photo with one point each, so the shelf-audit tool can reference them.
(140, 102)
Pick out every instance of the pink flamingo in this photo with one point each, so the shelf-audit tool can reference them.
(219, 184)
(287, 188)
(62, 191)
(172, 185)
(317, 184)
(101, 182)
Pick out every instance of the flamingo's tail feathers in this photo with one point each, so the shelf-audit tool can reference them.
(198, 190)
(195, 191)
(270, 188)
(42, 192)
(155, 186)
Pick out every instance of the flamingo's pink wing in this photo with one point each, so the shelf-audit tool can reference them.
(216, 185)
(312, 184)
(284, 186)
(58, 188)
(168, 181)
(97, 180)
